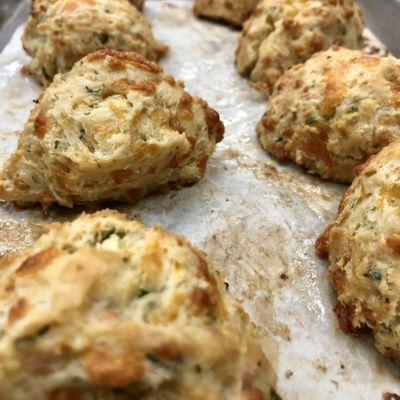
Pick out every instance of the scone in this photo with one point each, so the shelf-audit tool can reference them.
(232, 12)
(363, 245)
(330, 114)
(113, 128)
(283, 33)
(104, 308)
(61, 32)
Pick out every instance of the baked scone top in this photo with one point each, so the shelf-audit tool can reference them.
(113, 128)
(333, 112)
(233, 12)
(105, 308)
(61, 32)
(363, 244)
(283, 33)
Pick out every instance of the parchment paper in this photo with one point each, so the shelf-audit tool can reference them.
(257, 220)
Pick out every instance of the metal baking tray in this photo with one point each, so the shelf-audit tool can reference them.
(256, 219)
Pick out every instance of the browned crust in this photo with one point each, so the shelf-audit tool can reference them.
(67, 393)
(170, 351)
(138, 4)
(393, 242)
(345, 314)
(41, 125)
(338, 279)
(215, 126)
(226, 21)
(38, 261)
(18, 310)
(322, 243)
(253, 394)
(390, 396)
(121, 175)
(114, 371)
(315, 146)
(133, 197)
(125, 85)
(123, 58)
(72, 5)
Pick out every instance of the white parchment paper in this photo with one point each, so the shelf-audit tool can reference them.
(257, 220)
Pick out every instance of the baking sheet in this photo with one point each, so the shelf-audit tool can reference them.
(257, 220)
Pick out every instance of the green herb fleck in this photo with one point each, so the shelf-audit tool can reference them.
(35, 178)
(153, 358)
(198, 368)
(274, 395)
(93, 90)
(28, 341)
(373, 274)
(82, 134)
(311, 120)
(56, 144)
(43, 330)
(104, 38)
(142, 293)
(354, 109)
(107, 234)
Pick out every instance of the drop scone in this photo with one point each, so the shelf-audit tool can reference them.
(113, 128)
(104, 308)
(232, 12)
(332, 113)
(283, 33)
(363, 245)
(61, 32)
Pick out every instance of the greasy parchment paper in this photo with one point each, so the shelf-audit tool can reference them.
(257, 220)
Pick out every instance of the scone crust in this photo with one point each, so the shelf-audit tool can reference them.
(231, 12)
(138, 4)
(61, 32)
(283, 33)
(114, 128)
(363, 245)
(104, 308)
(332, 113)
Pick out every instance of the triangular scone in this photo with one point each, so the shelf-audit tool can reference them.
(114, 128)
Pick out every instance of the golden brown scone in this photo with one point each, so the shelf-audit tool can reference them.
(283, 33)
(61, 32)
(233, 12)
(113, 128)
(104, 308)
(363, 245)
(330, 114)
